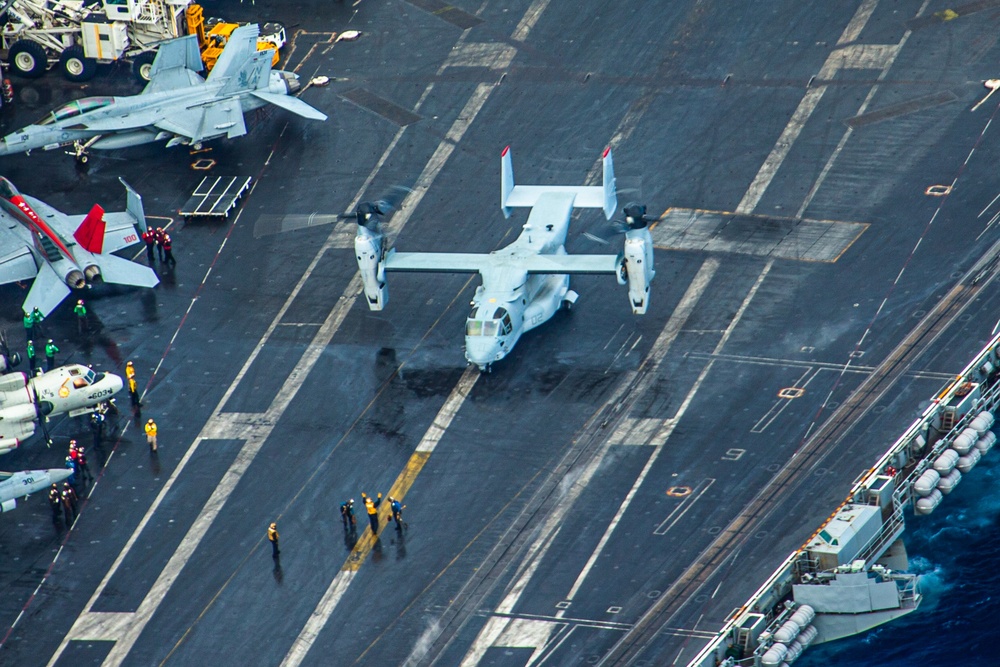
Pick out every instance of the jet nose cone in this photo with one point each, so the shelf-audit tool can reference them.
(59, 474)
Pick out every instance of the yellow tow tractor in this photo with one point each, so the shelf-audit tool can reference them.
(213, 34)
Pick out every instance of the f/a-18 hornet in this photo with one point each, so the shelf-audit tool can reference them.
(525, 283)
(67, 251)
(177, 106)
(25, 401)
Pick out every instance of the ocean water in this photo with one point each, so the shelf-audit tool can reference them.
(957, 552)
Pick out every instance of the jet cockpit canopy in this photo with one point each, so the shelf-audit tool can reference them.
(75, 108)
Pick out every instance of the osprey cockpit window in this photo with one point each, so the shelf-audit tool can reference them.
(75, 108)
(502, 318)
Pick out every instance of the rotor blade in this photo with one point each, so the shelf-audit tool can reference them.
(392, 198)
(595, 237)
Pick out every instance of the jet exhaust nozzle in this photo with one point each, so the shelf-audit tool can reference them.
(75, 279)
(92, 272)
(291, 82)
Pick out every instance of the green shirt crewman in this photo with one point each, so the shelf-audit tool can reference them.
(81, 316)
(50, 355)
(29, 325)
(31, 356)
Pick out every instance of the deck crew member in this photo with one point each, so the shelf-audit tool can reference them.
(159, 235)
(50, 355)
(347, 513)
(272, 535)
(68, 497)
(151, 435)
(149, 238)
(372, 510)
(32, 359)
(55, 502)
(80, 311)
(168, 251)
(397, 512)
(133, 388)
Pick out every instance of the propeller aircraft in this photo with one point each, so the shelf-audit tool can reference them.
(525, 283)
(24, 401)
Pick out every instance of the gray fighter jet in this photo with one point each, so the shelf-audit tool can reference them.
(177, 106)
(14, 485)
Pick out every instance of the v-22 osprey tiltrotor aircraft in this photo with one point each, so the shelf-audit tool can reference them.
(525, 283)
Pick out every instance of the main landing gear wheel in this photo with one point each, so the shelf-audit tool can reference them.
(142, 66)
(28, 58)
(76, 66)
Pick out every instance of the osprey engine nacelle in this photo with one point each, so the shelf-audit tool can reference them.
(635, 268)
(369, 249)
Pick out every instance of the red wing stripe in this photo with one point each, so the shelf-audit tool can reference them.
(39, 224)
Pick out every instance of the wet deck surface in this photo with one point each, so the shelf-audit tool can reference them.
(607, 465)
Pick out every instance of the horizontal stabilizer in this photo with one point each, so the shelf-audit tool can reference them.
(293, 104)
(47, 292)
(121, 271)
(90, 233)
(585, 196)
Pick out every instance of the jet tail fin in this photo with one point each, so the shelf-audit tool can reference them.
(121, 271)
(133, 206)
(241, 63)
(90, 233)
(182, 52)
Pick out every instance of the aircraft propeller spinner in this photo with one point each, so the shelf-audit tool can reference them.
(635, 218)
(369, 213)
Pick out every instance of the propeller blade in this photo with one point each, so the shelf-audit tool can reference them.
(595, 237)
(392, 199)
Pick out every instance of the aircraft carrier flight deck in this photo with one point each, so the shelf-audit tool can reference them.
(612, 490)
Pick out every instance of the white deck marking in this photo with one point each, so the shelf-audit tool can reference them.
(338, 587)
(255, 428)
(528, 21)
(889, 59)
(840, 58)
(496, 625)
(849, 57)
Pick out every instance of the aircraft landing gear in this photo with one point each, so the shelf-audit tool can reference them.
(80, 151)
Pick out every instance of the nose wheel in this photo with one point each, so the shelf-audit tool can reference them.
(81, 150)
